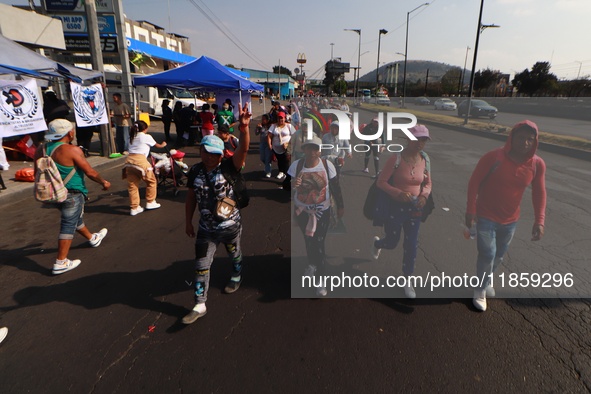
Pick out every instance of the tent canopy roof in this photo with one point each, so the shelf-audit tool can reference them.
(16, 59)
(203, 73)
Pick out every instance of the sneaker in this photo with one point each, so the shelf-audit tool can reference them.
(97, 238)
(280, 175)
(3, 333)
(233, 285)
(490, 291)
(321, 291)
(153, 205)
(137, 211)
(196, 313)
(375, 252)
(366, 170)
(409, 292)
(268, 175)
(66, 266)
(479, 299)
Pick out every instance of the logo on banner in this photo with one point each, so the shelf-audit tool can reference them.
(89, 103)
(18, 102)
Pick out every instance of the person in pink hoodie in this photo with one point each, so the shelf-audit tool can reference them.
(495, 191)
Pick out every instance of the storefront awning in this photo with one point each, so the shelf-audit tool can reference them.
(158, 52)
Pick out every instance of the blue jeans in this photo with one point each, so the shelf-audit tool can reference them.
(266, 154)
(407, 217)
(72, 212)
(492, 240)
(122, 138)
(205, 247)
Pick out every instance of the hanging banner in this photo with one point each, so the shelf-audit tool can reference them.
(89, 104)
(21, 111)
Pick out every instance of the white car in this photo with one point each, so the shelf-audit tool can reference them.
(382, 99)
(445, 104)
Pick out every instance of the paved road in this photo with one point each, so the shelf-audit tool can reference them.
(89, 330)
(560, 126)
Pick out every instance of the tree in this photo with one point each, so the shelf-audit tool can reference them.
(231, 66)
(282, 70)
(538, 81)
(449, 81)
(484, 78)
(340, 87)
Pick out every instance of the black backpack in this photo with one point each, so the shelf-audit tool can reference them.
(234, 178)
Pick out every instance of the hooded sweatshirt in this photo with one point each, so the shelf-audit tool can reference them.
(497, 184)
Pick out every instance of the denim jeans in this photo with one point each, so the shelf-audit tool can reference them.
(266, 155)
(122, 138)
(492, 240)
(407, 217)
(205, 247)
(72, 212)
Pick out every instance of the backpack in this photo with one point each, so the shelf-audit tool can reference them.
(234, 178)
(370, 204)
(49, 186)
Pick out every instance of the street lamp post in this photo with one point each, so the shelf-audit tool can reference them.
(580, 65)
(382, 31)
(356, 75)
(480, 29)
(406, 54)
(461, 81)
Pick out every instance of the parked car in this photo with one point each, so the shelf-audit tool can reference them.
(422, 101)
(477, 108)
(445, 104)
(382, 99)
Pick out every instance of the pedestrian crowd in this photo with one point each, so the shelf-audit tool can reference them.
(311, 173)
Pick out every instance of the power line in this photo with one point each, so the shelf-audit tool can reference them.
(242, 48)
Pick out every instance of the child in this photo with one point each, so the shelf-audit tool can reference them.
(230, 142)
(138, 168)
(206, 120)
(266, 154)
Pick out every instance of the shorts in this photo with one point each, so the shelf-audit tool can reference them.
(72, 212)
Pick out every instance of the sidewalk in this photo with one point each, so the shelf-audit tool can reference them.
(19, 190)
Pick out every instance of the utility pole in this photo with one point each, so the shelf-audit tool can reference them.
(96, 56)
(426, 82)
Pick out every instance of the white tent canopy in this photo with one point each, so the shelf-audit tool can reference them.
(16, 59)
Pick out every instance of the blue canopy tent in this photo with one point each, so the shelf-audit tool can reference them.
(201, 74)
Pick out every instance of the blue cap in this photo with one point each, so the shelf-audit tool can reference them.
(213, 144)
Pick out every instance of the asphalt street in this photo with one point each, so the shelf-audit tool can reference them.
(113, 324)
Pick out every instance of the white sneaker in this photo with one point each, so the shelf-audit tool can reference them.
(321, 291)
(66, 266)
(280, 175)
(375, 252)
(366, 170)
(490, 291)
(153, 205)
(268, 175)
(3, 333)
(479, 299)
(137, 211)
(97, 238)
(409, 292)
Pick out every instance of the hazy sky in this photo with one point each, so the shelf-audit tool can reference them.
(557, 31)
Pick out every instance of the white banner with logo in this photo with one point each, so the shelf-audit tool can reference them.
(21, 109)
(89, 104)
